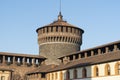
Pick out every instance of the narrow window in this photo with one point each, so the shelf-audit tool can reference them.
(57, 29)
(67, 75)
(43, 30)
(47, 29)
(71, 29)
(61, 28)
(107, 70)
(74, 30)
(96, 71)
(84, 73)
(75, 74)
(66, 29)
(51, 29)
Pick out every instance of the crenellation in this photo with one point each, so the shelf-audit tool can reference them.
(54, 29)
(46, 30)
(92, 53)
(115, 48)
(23, 61)
(77, 31)
(51, 28)
(74, 57)
(3, 59)
(86, 54)
(18, 61)
(79, 56)
(99, 51)
(106, 49)
(66, 29)
(69, 30)
(59, 29)
(33, 62)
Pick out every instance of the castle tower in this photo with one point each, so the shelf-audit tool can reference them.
(58, 39)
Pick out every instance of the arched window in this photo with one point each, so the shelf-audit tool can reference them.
(84, 73)
(117, 68)
(96, 71)
(107, 69)
(67, 75)
(75, 74)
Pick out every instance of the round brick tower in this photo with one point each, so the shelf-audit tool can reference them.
(58, 39)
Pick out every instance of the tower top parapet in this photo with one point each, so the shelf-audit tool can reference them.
(57, 39)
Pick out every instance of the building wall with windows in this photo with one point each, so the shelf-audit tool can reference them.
(99, 63)
(104, 71)
(102, 78)
(5, 75)
(60, 75)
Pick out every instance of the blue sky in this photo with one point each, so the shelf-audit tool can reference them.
(19, 20)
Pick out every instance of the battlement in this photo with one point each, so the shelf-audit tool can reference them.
(103, 49)
(57, 39)
(11, 59)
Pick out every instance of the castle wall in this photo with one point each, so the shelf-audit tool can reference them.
(18, 64)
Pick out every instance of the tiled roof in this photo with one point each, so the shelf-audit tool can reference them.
(96, 59)
(42, 69)
(21, 55)
(60, 22)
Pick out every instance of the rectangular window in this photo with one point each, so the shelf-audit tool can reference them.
(66, 29)
(57, 29)
(43, 75)
(61, 28)
(51, 29)
(2, 77)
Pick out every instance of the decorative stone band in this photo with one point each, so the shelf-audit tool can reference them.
(60, 38)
